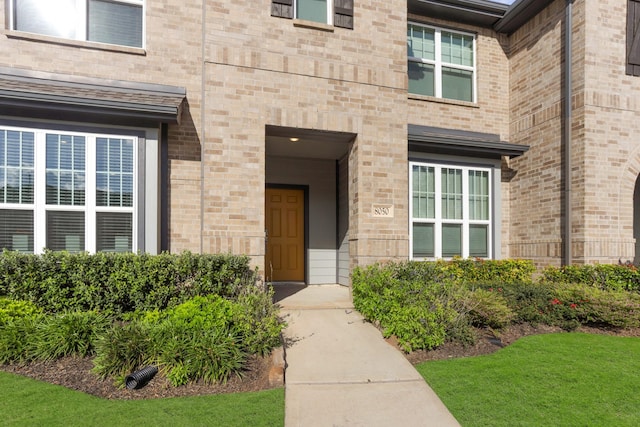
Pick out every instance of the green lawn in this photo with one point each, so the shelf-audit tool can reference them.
(27, 402)
(546, 380)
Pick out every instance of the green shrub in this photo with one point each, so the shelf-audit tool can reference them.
(190, 354)
(252, 318)
(418, 314)
(604, 276)
(122, 349)
(258, 321)
(204, 338)
(117, 283)
(488, 308)
(12, 309)
(211, 312)
(478, 270)
(16, 338)
(600, 307)
(72, 333)
(424, 303)
(528, 301)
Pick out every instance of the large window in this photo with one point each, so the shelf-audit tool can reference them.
(450, 211)
(105, 21)
(66, 191)
(441, 63)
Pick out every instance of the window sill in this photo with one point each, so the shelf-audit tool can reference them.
(313, 25)
(12, 34)
(442, 100)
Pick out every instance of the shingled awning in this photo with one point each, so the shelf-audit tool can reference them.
(34, 94)
(428, 139)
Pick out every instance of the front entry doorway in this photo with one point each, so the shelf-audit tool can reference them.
(285, 216)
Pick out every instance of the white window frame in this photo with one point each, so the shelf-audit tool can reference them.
(40, 207)
(81, 25)
(438, 63)
(438, 221)
(329, 20)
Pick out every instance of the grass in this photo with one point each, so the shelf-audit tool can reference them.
(557, 379)
(27, 402)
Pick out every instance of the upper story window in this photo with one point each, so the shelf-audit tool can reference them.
(333, 12)
(104, 21)
(441, 63)
(314, 10)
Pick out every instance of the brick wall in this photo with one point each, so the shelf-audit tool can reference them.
(263, 70)
(605, 155)
(535, 60)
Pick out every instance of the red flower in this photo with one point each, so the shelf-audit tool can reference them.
(573, 305)
(556, 301)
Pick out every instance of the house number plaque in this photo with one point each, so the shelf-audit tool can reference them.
(385, 211)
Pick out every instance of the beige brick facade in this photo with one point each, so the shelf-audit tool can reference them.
(604, 153)
(244, 71)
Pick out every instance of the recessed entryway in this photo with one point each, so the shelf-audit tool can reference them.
(312, 163)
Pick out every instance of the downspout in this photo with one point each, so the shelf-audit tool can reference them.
(203, 133)
(568, 256)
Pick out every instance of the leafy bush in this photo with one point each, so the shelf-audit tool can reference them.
(122, 349)
(258, 321)
(16, 338)
(604, 276)
(191, 354)
(424, 303)
(417, 313)
(590, 305)
(12, 309)
(488, 308)
(204, 338)
(117, 283)
(72, 333)
(479, 270)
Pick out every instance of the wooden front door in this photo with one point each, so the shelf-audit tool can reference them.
(284, 209)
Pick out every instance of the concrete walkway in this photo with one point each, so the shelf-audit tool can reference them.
(341, 372)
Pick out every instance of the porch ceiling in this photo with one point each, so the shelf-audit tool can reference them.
(311, 144)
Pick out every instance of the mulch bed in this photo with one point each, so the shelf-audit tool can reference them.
(75, 373)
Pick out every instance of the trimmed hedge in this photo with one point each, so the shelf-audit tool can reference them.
(424, 304)
(117, 283)
(465, 270)
(604, 276)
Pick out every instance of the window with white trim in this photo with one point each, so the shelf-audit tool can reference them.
(450, 211)
(118, 22)
(67, 191)
(441, 63)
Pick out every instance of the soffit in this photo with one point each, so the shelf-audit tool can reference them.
(311, 143)
(65, 97)
(427, 139)
(482, 13)
(519, 13)
(473, 12)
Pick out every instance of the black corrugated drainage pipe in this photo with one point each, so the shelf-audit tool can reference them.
(568, 256)
(140, 378)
